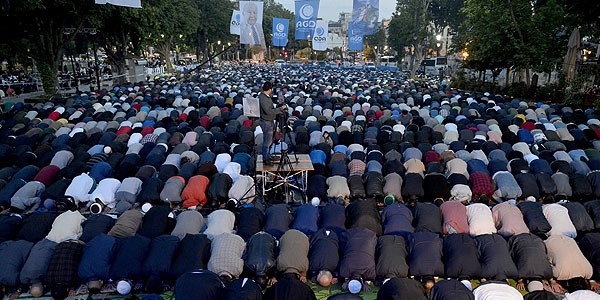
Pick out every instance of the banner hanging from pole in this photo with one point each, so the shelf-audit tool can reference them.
(355, 41)
(280, 32)
(320, 36)
(251, 31)
(306, 18)
(365, 14)
(234, 24)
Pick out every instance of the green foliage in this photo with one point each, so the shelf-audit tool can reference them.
(446, 13)
(514, 34)
(376, 39)
(212, 20)
(304, 53)
(34, 28)
(211, 25)
(583, 14)
(118, 33)
(576, 91)
(409, 29)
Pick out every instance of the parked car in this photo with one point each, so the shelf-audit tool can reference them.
(280, 62)
(370, 66)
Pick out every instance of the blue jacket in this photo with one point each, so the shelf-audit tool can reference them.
(130, 254)
(425, 254)
(13, 255)
(38, 261)
(397, 219)
(97, 258)
(277, 220)
(324, 251)
(305, 219)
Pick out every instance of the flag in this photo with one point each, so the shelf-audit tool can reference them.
(280, 32)
(306, 18)
(355, 41)
(234, 24)
(251, 31)
(320, 36)
(365, 14)
(126, 3)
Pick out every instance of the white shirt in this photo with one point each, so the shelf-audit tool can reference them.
(451, 127)
(496, 291)
(105, 191)
(221, 161)
(218, 222)
(80, 188)
(480, 219)
(67, 226)
(582, 295)
(558, 217)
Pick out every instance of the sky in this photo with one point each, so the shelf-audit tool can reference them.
(330, 9)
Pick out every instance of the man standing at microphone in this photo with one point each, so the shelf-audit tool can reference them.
(268, 113)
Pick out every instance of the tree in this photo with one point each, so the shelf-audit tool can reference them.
(369, 54)
(119, 33)
(37, 30)
(583, 14)
(376, 39)
(517, 34)
(446, 13)
(408, 29)
(167, 22)
(212, 25)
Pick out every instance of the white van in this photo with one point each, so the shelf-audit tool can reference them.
(280, 62)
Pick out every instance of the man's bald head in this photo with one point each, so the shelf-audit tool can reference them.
(324, 278)
(250, 12)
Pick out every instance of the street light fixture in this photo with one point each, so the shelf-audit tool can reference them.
(376, 53)
(438, 38)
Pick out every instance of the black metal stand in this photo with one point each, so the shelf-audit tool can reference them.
(285, 165)
(285, 161)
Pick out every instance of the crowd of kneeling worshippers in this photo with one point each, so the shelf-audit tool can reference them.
(149, 187)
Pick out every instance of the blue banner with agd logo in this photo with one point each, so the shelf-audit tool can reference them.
(280, 32)
(355, 39)
(306, 18)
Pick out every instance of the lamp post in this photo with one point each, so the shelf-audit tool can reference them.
(93, 33)
(228, 45)
(438, 38)
(310, 46)
(177, 52)
(270, 42)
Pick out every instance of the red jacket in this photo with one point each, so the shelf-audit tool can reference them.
(194, 193)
